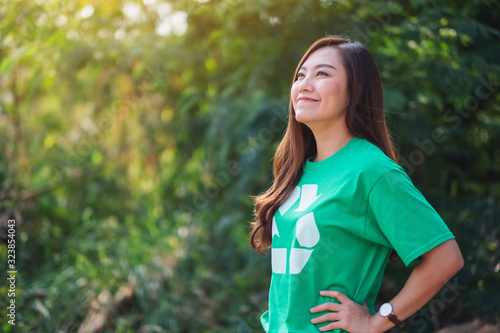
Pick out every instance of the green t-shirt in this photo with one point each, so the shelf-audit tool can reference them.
(336, 232)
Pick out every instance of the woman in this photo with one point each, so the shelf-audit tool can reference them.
(340, 204)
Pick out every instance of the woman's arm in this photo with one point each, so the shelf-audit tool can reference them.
(429, 276)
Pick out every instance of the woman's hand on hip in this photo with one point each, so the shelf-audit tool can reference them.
(347, 315)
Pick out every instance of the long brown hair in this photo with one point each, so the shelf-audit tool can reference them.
(365, 118)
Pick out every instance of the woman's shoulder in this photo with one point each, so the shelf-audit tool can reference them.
(372, 161)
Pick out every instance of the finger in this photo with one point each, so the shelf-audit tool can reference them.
(332, 326)
(335, 294)
(331, 316)
(329, 306)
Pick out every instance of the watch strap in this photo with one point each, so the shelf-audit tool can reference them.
(392, 317)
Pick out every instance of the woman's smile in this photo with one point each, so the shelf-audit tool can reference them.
(305, 99)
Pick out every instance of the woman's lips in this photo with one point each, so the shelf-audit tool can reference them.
(306, 100)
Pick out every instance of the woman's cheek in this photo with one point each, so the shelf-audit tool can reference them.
(293, 95)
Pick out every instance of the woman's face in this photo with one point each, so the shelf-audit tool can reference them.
(319, 94)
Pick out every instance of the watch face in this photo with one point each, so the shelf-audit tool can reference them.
(385, 309)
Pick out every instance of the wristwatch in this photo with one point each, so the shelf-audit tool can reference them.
(386, 310)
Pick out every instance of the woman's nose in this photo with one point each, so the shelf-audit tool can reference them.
(305, 84)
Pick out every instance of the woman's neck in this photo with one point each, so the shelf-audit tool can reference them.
(330, 140)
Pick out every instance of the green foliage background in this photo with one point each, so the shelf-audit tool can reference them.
(128, 156)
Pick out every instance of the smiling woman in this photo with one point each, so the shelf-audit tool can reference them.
(340, 204)
(319, 95)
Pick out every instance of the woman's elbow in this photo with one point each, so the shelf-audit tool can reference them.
(459, 261)
(454, 257)
(447, 257)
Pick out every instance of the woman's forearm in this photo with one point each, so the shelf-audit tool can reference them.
(436, 268)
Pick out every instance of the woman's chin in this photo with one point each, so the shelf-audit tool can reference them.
(303, 117)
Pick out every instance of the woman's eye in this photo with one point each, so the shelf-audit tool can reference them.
(322, 73)
(299, 75)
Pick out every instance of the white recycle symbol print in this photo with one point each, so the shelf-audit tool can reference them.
(306, 232)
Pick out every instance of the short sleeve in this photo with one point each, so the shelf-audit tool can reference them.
(402, 214)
